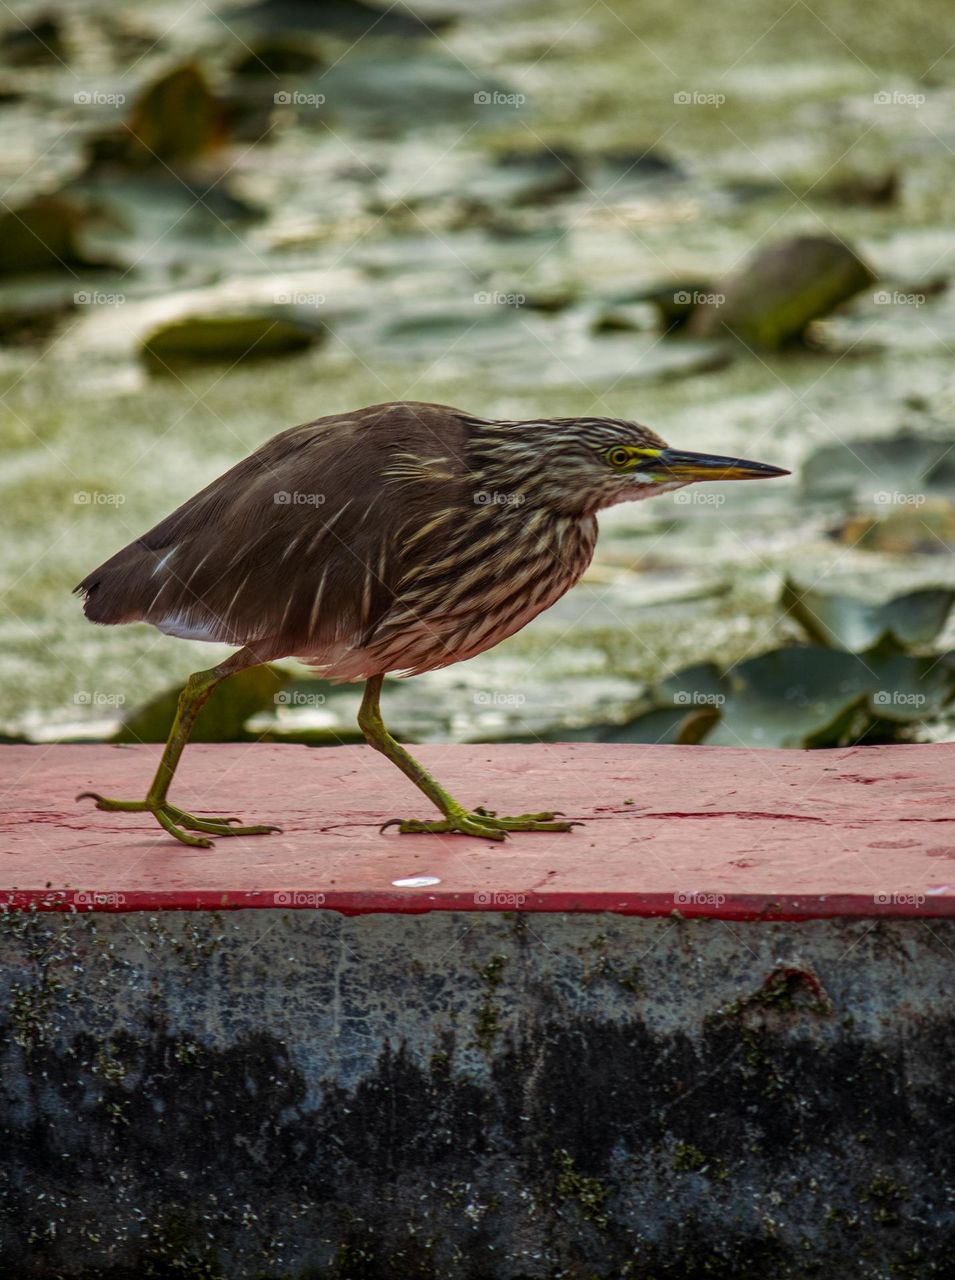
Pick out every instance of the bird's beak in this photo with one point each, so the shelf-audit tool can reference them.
(674, 464)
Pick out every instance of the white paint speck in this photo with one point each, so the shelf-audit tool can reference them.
(416, 882)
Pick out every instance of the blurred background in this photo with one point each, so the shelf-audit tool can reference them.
(731, 223)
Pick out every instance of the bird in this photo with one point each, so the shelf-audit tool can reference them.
(392, 540)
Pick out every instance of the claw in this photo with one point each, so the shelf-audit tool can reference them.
(480, 822)
(174, 820)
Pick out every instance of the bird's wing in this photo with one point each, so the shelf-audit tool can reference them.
(303, 542)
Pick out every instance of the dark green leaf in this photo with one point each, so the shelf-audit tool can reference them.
(844, 622)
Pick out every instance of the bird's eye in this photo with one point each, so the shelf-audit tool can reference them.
(618, 457)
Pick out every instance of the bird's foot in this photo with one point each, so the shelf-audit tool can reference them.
(480, 822)
(173, 819)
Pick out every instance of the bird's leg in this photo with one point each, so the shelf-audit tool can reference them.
(477, 822)
(193, 698)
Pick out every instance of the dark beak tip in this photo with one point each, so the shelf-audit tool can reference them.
(707, 466)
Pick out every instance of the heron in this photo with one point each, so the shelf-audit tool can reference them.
(392, 540)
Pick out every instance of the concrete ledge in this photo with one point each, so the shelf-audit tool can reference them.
(706, 831)
(544, 1086)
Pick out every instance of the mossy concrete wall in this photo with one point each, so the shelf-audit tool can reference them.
(475, 1096)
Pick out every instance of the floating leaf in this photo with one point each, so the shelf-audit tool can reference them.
(351, 18)
(685, 726)
(908, 690)
(38, 42)
(845, 622)
(222, 719)
(277, 56)
(893, 470)
(815, 697)
(924, 529)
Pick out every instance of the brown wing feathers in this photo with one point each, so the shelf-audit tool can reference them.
(301, 541)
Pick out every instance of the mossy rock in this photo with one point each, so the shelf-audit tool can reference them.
(44, 235)
(773, 298)
(174, 120)
(229, 338)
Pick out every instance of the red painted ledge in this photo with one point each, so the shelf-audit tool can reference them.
(701, 831)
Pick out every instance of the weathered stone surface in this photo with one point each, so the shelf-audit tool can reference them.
(474, 1097)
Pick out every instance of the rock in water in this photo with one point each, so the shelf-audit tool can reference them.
(227, 338)
(176, 119)
(776, 294)
(44, 234)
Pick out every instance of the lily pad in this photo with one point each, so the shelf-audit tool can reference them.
(889, 470)
(675, 302)
(927, 529)
(277, 56)
(845, 622)
(772, 299)
(35, 43)
(171, 222)
(816, 697)
(223, 717)
(232, 338)
(389, 93)
(680, 725)
(351, 18)
(681, 709)
(524, 177)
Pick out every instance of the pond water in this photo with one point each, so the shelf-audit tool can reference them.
(475, 212)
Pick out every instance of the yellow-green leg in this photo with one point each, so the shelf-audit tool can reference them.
(469, 822)
(193, 698)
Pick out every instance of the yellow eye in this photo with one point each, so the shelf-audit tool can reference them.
(618, 457)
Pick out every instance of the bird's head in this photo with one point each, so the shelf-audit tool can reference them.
(585, 464)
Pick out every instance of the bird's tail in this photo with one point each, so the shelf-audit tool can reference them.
(117, 591)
